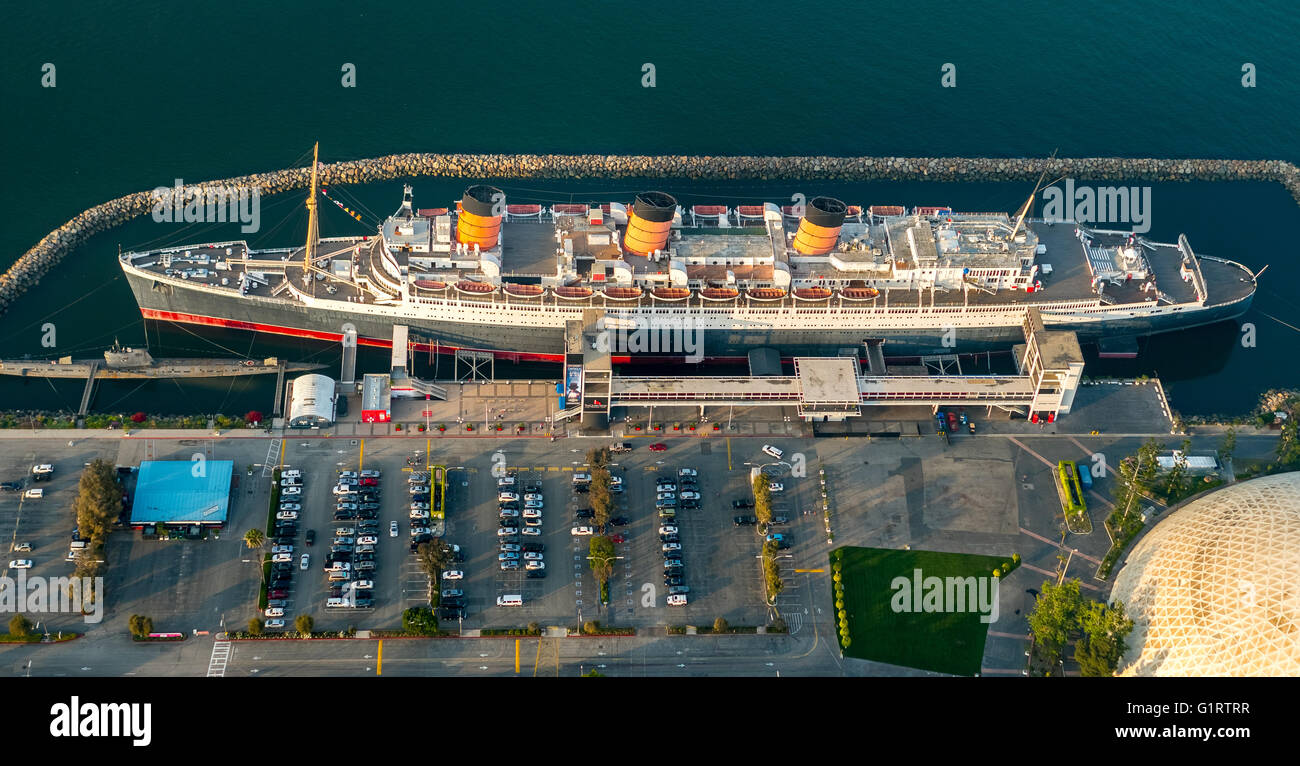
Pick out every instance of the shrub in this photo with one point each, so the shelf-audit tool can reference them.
(720, 625)
(255, 627)
(589, 628)
(139, 417)
(534, 628)
(20, 626)
(997, 573)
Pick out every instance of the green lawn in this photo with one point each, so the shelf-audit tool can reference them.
(943, 640)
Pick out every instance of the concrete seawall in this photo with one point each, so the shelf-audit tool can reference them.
(28, 270)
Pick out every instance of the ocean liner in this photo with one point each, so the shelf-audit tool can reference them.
(492, 276)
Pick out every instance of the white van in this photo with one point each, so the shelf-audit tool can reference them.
(339, 576)
(768, 449)
(334, 603)
(506, 481)
(34, 494)
(510, 600)
(582, 478)
(292, 473)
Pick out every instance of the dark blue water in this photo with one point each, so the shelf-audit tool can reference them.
(148, 92)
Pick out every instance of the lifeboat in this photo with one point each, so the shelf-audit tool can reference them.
(748, 212)
(812, 293)
(566, 208)
(623, 293)
(715, 212)
(719, 293)
(430, 284)
(475, 288)
(930, 211)
(886, 209)
(766, 293)
(671, 293)
(789, 212)
(524, 211)
(523, 291)
(859, 293)
(432, 212)
(854, 212)
(575, 293)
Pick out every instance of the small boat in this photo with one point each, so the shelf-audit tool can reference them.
(719, 293)
(571, 209)
(470, 286)
(671, 293)
(886, 209)
(524, 211)
(766, 293)
(430, 284)
(812, 293)
(623, 293)
(522, 291)
(574, 293)
(859, 293)
(432, 212)
(750, 212)
(708, 212)
(933, 210)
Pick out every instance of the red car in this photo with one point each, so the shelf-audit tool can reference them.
(369, 481)
(277, 594)
(952, 421)
(619, 539)
(658, 447)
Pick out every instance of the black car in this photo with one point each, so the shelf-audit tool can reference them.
(344, 516)
(777, 520)
(367, 514)
(620, 521)
(311, 536)
(690, 504)
(370, 506)
(534, 547)
(365, 603)
(282, 540)
(450, 601)
(11, 486)
(674, 579)
(581, 489)
(532, 487)
(673, 538)
(509, 522)
(365, 557)
(454, 613)
(281, 584)
(742, 504)
(512, 505)
(537, 574)
(672, 555)
(584, 513)
(745, 521)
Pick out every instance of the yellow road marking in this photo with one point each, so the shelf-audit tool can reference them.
(282, 443)
(361, 459)
(565, 468)
(426, 453)
(516, 655)
(553, 468)
(728, 453)
(812, 571)
(538, 660)
(379, 666)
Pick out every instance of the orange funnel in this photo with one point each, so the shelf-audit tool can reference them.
(819, 229)
(479, 221)
(649, 223)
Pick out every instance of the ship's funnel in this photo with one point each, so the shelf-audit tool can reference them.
(649, 222)
(479, 222)
(819, 229)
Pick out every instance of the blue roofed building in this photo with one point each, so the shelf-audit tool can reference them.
(176, 493)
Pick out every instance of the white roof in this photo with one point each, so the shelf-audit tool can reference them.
(312, 399)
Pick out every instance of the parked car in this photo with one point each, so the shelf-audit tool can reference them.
(275, 623)
(23, 547)
(20, 564)
(274, 611)
(776, 486)
(533, 486)
(291, 506)
(677, 599)
(417, 531)
(532, 513)
(668, 529)
(506, 497)
(618, 539)
(771, 451)
(348, 475)
(507, 556)
(673, 580)
(687, 472)
(291, 491)
(536, 505)
(533, 556)
(534, 564)
(453, 574)
(281, 557)
(669, 547)
(742, 504)
(620, 521)
(305, 561)
(343, 489)
(392, 529)
(277, 593)
(584, 513)
(582, 530)
(367, 540)
(534, 522)
(506, 532)
(508, 513)
(658, 447)
(531, 531)
(364, 584)
(369, 481)
(666, 496)
(777, 520)
(287, 515)
(745, 521)
(509, 565)
(672, 563)
(311, 536)
(417, 514)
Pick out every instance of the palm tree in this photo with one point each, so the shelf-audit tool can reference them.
(254, 538)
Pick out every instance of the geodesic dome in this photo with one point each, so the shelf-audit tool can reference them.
(1214, 588)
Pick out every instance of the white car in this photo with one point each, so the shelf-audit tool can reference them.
(672, 547)
(290, 481)
(667, 529)
(536, 505)
(367, 540)
(666, 496)
(392, 529)
(274, 611)
(506, 531)
(282, 549)
(280, 558)
(687, 472)
(343, 489)
(581, 478)
(34, 494)
(506, 481)
(453, 574)
(776, 487)
(579, 531)
(507, 497)
(532, 513)
(371, 473)
(690, 495)
(419, 506)
(665, 486)
(509, 513)
(305, 561)
(534, 565)
(20, 564)
(287, 515)
(419, 489)
(291, 491)
(533, 496)
(339, 566)
(510, 547)
(417, 531)
(348, 481)
(531, 531)
(276, 623)
(532, 556)
(418, 514)
(771, 451)
(364, 584)
(677, 599)
(347, 474)
(291, 506)
(344, 531)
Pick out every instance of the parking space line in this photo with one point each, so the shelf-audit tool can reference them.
(379, 666)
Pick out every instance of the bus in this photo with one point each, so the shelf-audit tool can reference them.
(1072, 501)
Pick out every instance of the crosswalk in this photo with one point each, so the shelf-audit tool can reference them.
(220, 657)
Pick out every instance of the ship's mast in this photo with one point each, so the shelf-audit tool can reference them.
(1029, 203)
(313, 226)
